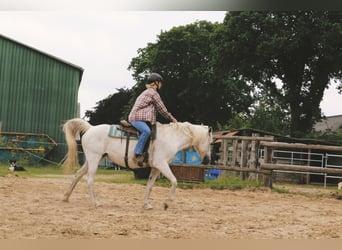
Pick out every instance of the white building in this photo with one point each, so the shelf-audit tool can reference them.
(331, 123)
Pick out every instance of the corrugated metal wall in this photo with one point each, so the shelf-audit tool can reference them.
(37, 92)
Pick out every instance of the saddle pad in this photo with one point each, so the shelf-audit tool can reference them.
(115, 132)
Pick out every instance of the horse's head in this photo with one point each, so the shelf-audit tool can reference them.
(202, 139)
(197, 136)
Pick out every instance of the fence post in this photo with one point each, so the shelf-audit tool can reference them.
(253, 156)
(243, 160)
(224, 148)
(268, 159)
(307, 176)
(235, 152)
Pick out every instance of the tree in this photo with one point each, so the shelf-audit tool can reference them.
(302, 50)
(269, 116)
(111, 109)
(265, 114)
(192, 92)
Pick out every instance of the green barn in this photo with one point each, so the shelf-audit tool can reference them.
(38, 92)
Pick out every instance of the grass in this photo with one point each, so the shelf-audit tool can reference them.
(280, 190)
(42, 171)
(233, 183)
(126, 176)
(308, 190)
(223, 182)
(32, 171)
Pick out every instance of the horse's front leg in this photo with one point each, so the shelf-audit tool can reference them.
(166, 171)
(151, 180)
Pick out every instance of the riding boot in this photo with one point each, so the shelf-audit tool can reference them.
(139, 159)
(145, 154)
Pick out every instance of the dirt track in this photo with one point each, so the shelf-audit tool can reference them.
(32, 208)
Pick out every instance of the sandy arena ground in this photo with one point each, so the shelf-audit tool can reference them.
(31, 208)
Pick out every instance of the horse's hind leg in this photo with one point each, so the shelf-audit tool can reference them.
(91, 177)
(80, 173)
(151, 180)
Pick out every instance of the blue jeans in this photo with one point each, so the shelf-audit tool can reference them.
(145, 133)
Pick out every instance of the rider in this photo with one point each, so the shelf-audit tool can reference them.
(143, 113)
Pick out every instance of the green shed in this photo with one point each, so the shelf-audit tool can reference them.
(38, 92)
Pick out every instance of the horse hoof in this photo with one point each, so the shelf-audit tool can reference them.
(148, 207)
(166, 206)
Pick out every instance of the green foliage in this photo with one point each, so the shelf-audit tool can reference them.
(192, 92)
(266, 70)
(111, 109)
(269, 116)
(299, 48)
(334, 137)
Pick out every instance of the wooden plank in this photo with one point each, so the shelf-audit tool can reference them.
(298, 168)
(247, 138)
(222, 167)
(299, 146)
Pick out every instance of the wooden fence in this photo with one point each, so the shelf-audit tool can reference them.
(269, 147)
(236, 153)
(241, 155)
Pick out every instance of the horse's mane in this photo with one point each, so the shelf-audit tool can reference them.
(183, 127)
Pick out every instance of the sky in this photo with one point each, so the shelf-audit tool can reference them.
(103, 42)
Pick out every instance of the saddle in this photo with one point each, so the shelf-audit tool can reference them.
(127, 127)
(130, 130)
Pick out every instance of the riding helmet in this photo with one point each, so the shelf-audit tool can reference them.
(154, 77)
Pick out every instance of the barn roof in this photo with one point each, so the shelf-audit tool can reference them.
(45, 54)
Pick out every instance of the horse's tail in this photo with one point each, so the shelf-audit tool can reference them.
(72, 128)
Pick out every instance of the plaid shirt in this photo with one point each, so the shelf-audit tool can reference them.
(146, 106)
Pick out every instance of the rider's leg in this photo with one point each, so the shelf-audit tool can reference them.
(145, 133)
